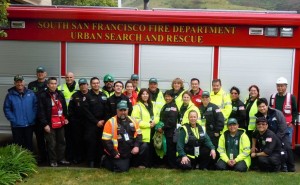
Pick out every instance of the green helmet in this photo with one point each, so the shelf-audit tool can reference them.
(108, 78)
(232, 121)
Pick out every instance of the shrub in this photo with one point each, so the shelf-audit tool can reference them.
(15, 164)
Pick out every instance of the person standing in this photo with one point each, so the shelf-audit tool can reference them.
(53, 116)
(212, 118)
(68, 89)
(130, 93)
(122, 140)
(196, 92)
(234, 148)
(108, 88)
(169, 115)
(277, 123)
(238, 108)
(267, 148)
(177, 90)
(38, 86)
(286, 103)
(111, 104)
(78, 120)
(135, 79)
(20, 108)
(251, 109)
(186, 107)
(157, 97)
(94, 112)
(220, 98)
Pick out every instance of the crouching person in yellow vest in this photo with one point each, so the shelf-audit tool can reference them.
(194, 147)
(234, 148)
(122, 140)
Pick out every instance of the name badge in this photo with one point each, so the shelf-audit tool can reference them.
(60, 113)
(126, 137)
(231, 156)
(197, 151)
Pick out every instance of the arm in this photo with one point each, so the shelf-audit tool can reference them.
(227, 107)
(245, 145)
(136, 114)
(222, 150)
(294, 110)
(107, 140)
(8, 109)
(219, 120)
(282, 127)
(181, 143)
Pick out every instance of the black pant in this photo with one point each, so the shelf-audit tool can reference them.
(94, 147)
(203, 160)
(40, 141)
(22, 136)
(269, 163)
(77, 134)
(290, 160)
(56, 144)
(239, 166)
(171, 152)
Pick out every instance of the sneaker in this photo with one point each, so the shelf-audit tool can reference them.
(141, 167)
(53, 164)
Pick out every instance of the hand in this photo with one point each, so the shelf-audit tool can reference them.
(66, 121)
(231, 163)
(135, 150)
(47, 129)
(152, 124)
(185, 160)
(253, 150)
(117, 156)
(253, 155)
(213, 154)
(100, 123)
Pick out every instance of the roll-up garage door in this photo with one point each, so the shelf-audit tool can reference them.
(243, 67)
(93, 59)
(23, 57)
(169, 62)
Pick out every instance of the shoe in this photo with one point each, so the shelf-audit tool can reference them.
(64, 162)
(291, 170)
(141, 167)
(53, 164)
(91, 164)
(103, 158)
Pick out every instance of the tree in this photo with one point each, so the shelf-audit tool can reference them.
(110, 3)
(3, 17)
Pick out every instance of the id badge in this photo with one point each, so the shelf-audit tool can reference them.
(231, 156)
(126, 137)
(197, 150)
(60, 113)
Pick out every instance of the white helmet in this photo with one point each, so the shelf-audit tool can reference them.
(281, 80)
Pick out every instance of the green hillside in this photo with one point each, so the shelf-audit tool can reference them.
(218, 4)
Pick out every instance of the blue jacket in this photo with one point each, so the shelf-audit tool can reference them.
(20, 110)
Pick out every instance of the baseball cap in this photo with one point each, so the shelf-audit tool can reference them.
(122, 105)
(82, 81)
(40, 69)
(152, 80)
(18, 78)
(232, 121)
(134, 77)
(205, 93)
(261, 119)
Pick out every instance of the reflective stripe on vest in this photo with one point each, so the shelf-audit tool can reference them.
(114, 137)
(286, 107)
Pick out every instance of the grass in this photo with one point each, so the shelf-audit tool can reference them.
(85, 176)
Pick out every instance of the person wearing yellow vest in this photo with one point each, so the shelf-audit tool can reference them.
(122, 140)
(177, 90)
(68, 89)
(186, 107)
(234, 148)
(147, 117)
(157, 96)
(194, 145)
(286, 103)
(135, 79)
(251, 109)
(222, 99)
(108, 88)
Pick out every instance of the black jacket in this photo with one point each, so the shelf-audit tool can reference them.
(169, 115)
(45, 107)
(239, 113)
(111, 105)
(77, 103)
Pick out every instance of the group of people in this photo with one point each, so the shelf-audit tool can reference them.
(119, 126)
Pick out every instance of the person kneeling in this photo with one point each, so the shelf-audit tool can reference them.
(122, 140)
(194, 147)
(234, 148)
